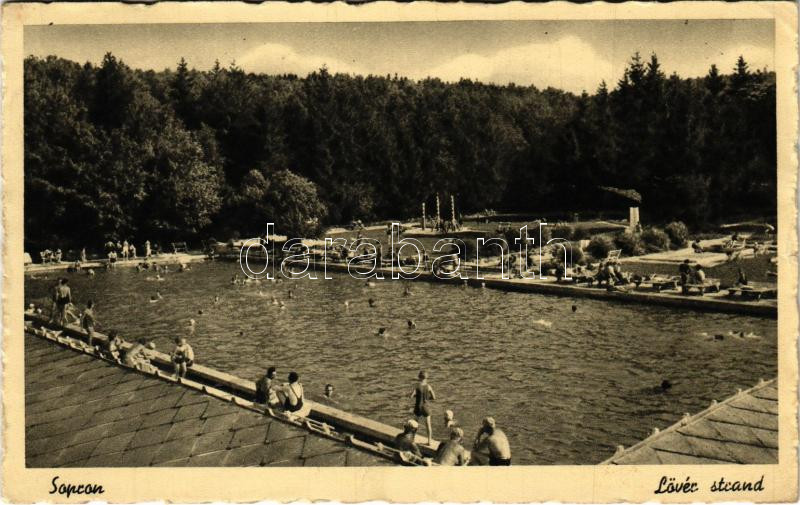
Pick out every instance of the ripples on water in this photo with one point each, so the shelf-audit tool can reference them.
(565, 394)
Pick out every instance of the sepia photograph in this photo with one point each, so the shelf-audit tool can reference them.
(414, 243)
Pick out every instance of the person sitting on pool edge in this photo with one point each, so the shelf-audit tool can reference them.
(265, 391)
(293, 397)
(492, 438)
(182, 357)
(138, 356)
(114, 345)
(452, 453)
(406, 441)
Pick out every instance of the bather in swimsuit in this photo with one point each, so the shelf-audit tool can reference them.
(421, 398)
(287, 405)
(499, 461)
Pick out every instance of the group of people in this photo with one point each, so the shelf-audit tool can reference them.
(63, 313)
(452, 451)
(127, 250)
(288, 396)
(49, 256)
(689, 275)
(611, 273)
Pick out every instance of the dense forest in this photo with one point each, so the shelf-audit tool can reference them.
(116, 152)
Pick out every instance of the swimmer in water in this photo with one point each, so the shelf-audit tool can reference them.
(156, 297)
(464, 284)
(200, 312)
(282, 305)
(192, 326)
(291, 294)
(412, 325)
(382, 332)
(370, 284)
(741, 334)
(407, 291)
(542, 322)
(483, 285)
(274, 301)
(372, 303)
(90, 272)
(574, 308)
(216, 299)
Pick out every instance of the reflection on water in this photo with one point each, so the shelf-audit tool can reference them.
(567, 387)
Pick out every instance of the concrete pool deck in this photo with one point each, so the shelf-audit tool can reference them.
(710, 302)
(163, 259)
(84, 412)
(742, 429)
(58, 359)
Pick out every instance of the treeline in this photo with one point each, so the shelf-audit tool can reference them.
(115, 152)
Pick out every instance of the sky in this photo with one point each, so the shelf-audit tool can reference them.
(570, 55)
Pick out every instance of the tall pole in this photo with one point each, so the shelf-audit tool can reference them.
(438, 211)
(453, 210)
(423, 215)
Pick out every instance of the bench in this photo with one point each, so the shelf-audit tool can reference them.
(179, 247)
(706, 286)
(660, 283)
(753, 292)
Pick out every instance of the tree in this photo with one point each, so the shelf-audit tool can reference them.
(133, 153)
(297, 208)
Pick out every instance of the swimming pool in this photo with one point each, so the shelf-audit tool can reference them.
(566, 387)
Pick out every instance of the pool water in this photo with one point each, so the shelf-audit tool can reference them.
(566, 387)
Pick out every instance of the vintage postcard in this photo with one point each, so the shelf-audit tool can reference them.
(401, 252)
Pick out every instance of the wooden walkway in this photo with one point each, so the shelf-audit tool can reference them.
(81, 411)
(742, 429)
